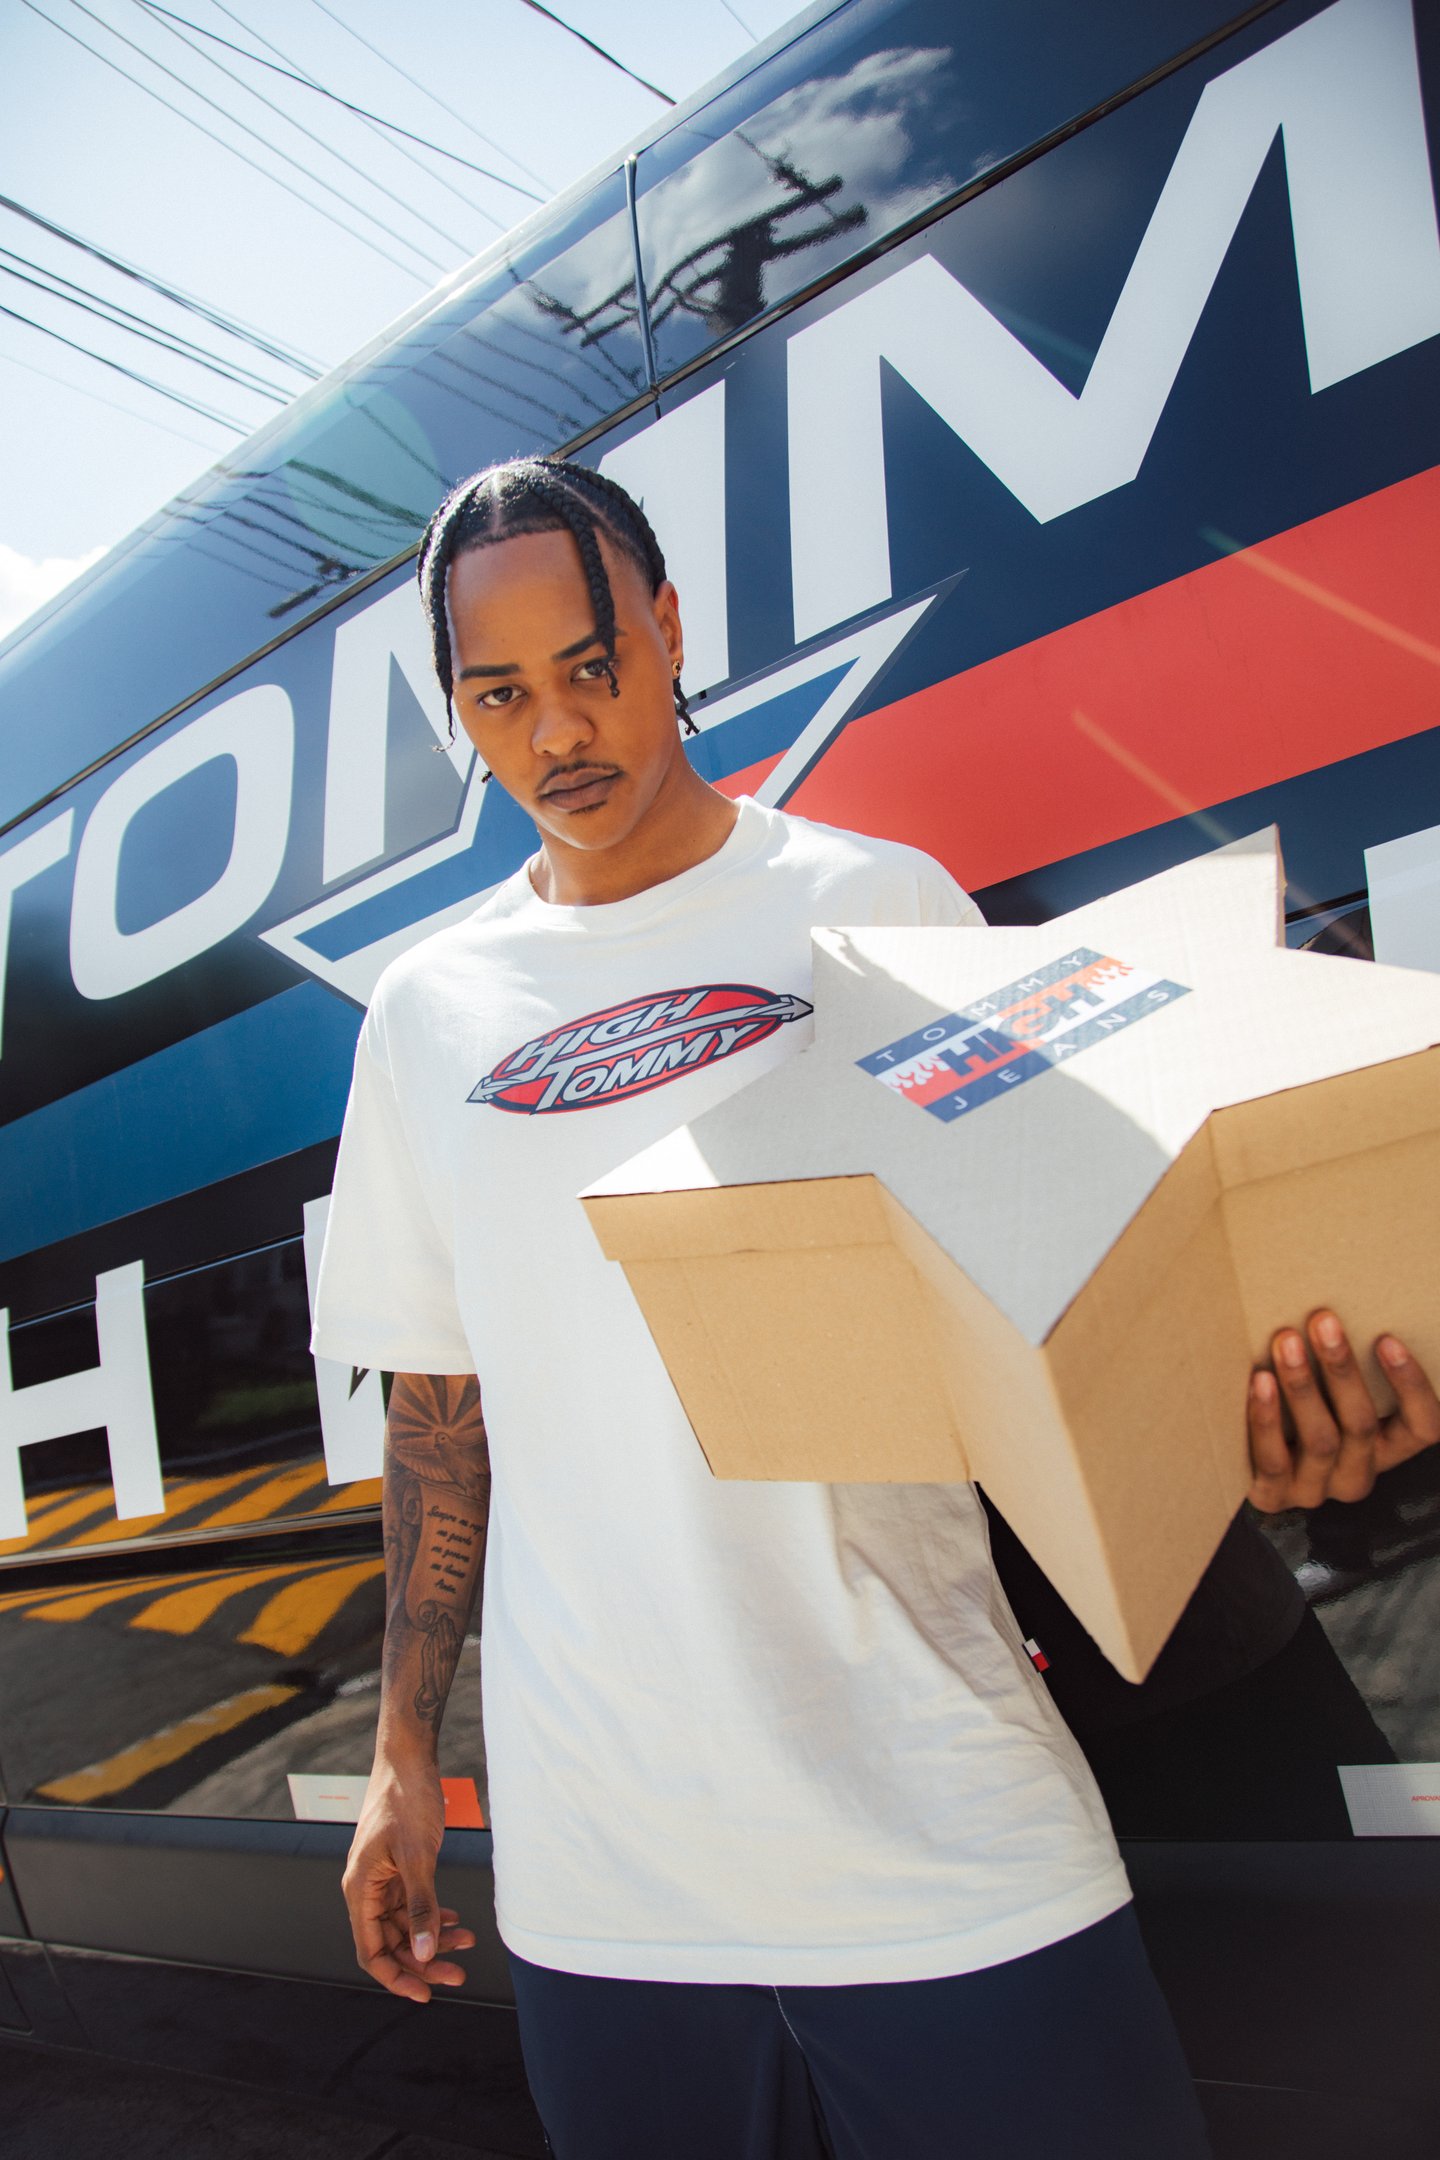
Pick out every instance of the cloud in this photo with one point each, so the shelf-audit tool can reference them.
(27, 580)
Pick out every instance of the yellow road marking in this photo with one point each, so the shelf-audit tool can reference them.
(32, 1596)
(270, 1492)
(57, 1513)
(290, 1621)
(180, 1498)
(181, 1611)
(361, 1492)
(80, 1604)
(269, 1498)
(101, 1780)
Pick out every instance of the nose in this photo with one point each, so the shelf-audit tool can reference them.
(560, 727)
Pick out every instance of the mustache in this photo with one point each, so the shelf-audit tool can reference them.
(591, 768)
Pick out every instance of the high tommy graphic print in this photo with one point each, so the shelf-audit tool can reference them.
(627, 1049)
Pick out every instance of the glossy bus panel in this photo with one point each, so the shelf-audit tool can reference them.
(863, 123)
(536, 347)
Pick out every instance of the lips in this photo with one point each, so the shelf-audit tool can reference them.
(579, 791)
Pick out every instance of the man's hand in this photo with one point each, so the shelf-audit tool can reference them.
(1340, 1443)
(401, 1934)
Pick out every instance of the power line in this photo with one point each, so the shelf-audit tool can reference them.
(231, 325)
(61, 382)
(168, 22)
(436, 179)
(608, 57)
(433, 95)
(245, 128)
(739, 18)
(176, 397)
(308, 82)
(109, 311)
(244, 157)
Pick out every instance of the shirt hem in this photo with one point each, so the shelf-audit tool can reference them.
(832, 1965)
(373, 1353)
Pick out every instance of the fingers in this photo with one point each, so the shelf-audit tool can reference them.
(1336, 1443)
(1270, 1461)
(1416, 1423)
(394, 1964)
(378, 1943)
(423, 1914)
(1352, 1471)
(1335, 1430)
(454, 1935)
(1317, 1436)
(402, 1938)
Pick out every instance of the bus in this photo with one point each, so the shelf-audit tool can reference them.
(1039, 407)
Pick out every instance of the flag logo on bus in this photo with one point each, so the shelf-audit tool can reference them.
(968, 1058)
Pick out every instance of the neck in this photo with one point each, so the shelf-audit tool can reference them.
(686, 823)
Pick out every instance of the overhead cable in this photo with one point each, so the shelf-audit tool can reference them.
(308, 82)
(230, 324)
(233, 148)
(109, 311)
(96, 397)
(608, 57)
(255, 135)
(169, 22)
(176, 397)
(402, 149)
(739, 18)
(433, 95)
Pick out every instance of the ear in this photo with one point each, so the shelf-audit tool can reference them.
(667, 619)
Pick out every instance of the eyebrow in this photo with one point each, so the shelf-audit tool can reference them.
(512, 667)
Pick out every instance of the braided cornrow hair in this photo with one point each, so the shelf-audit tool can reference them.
(530, 495)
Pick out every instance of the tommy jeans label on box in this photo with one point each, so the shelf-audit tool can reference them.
(1392, 1799)
(968, 1058)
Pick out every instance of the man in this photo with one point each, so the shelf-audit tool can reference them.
(793, 1854)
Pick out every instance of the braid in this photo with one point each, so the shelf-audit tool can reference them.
(436, 553)
(582, 526)
(539, 495)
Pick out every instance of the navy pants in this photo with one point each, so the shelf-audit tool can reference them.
(1068, 2054)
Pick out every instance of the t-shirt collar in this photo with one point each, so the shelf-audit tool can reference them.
(605, 918)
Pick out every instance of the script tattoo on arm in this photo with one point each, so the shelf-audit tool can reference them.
(436, 1509)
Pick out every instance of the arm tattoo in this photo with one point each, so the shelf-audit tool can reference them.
(436, 1508)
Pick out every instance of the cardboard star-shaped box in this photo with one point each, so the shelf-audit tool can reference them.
(1033, 1204)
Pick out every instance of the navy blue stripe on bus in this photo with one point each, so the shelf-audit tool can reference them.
(262, 1084)
(504, 838)
(762, 732)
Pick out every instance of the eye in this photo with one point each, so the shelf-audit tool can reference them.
(495, 700)
(594, 670)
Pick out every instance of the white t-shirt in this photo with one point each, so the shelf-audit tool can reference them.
(734, 1732)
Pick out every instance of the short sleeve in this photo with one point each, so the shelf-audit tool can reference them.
(386, 1291)
(944, 905)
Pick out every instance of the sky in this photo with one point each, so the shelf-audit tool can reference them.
(86, 452)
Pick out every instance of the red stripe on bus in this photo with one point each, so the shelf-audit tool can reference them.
(1274, 660)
